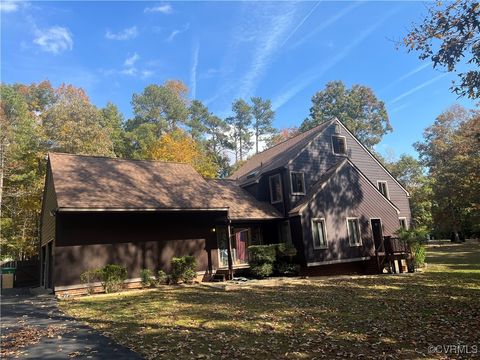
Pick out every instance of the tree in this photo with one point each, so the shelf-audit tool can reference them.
(262, 119)
(358, 108)
(112, 120)
(449, 34)
(241, 122)
(73, 125)
(451, 151)
(180, 147)
(410, 172)
(197, 119)
(160, 105)
(281, 136)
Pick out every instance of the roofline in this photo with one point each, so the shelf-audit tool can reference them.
(373, 157)
(345, 161)
(74, 209)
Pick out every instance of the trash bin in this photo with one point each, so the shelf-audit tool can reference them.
(8, 276)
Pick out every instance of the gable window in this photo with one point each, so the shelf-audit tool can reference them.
(339, 145)
(353, 227)
(403, 223)
(383, 188)
(276, 195)
(319, 233)
(297, 180)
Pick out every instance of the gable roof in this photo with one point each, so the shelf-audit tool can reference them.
(101, 183)
(276, 156)
(325, 178)
(243, 205)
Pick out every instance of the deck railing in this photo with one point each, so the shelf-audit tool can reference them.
(394, 245)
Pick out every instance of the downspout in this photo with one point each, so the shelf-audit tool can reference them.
(229, 249)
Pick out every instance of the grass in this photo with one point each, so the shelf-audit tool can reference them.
(364, 317)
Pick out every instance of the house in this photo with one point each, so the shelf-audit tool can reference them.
(322, 191)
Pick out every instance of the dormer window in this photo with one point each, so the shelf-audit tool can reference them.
(339, 145)
(276, 195)
(297, 179)
(383, 188)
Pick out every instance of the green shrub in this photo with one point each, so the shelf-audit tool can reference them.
(88, 278)
(285, 251)
(112, 277)
(146, 278)
(261, 253)
(415, 239)
(183, 269)
(261, 270)
(419, 255)
(286, 268)
(162, 277)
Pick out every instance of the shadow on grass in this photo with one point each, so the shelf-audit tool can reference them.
(371, 316)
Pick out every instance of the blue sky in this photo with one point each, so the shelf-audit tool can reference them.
(284, 51)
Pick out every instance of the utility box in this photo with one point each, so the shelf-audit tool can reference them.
(8, 276)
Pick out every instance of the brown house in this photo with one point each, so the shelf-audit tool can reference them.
(323, 191)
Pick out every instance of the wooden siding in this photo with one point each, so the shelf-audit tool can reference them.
(135, 240)
(347, 194)
(318, 157)
(49, 203)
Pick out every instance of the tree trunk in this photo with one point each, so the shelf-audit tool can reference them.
(256, 138)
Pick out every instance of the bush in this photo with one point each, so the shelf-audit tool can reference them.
(146, 278)
(88, 278)
(162, 277)
(415, 239)
(261, 270)
(112, 277)
(183, 269)
(285, 251)
(265, 259)
(262, 253)
(287, 269)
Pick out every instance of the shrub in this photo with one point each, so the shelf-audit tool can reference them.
(183, 269)
(285, 251)
(264, 259)
(287, 269)
(146, 278)
(112, 277)
(162, 277)
(415, 239)
(88, 278)
(261, 270)
(261, 253)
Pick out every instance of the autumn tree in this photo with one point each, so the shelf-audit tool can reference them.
(358, 108)
(180, 147)
(112, 121)
(449, 37)
(451, 152)
(73, 125)
(241, 122)
(263, 116)
(281, 136)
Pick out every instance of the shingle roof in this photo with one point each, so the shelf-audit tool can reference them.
(277, 155)
(243, 205)
(90, 182)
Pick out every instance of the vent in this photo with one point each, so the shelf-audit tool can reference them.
(252, 175)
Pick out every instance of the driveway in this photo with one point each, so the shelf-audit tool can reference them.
(32, 327)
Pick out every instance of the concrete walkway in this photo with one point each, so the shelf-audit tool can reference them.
(24, 315)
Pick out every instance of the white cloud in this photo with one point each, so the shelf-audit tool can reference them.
(193, 70)
(164, 9)
(55, 39)
(176, 32)
(9, 6)
(131, 60)
(125, 34)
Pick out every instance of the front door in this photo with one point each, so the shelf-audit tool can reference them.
(377, 234)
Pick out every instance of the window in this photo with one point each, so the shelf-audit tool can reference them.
(339, 144)
(284, 233)
(403, 223)
(319, 234)
(275, 189)
(383, 188)
(298, 183)
(353, 228)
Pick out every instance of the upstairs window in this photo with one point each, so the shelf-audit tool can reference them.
(383, 188)
(353, 228)
(403, 223)
(319, 234)
(276, 195)
(297, 180)
(339, 145)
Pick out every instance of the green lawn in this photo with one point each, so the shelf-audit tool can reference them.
(369, 317)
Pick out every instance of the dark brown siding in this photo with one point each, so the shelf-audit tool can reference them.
(134, 240)
(347, 194)
(47, 231)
